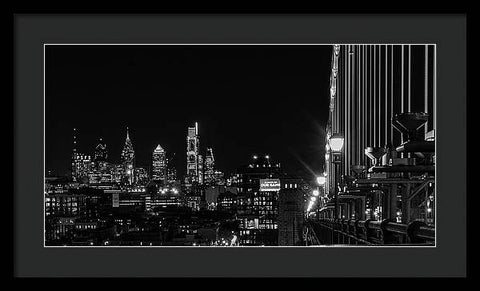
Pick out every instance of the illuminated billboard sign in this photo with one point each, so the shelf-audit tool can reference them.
(269, 184)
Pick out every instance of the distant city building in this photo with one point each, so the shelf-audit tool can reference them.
(81, 166)
(118, 173)
(259, 185)
(291, 204)
(101, 170)
(65, 205)
(218, 178)
(232, 180)
(200, 174)
(166, 197)
(193, 201)
(209, 167)
(101, 153)
(211, 195)
(193, 148)
(171, 175)
(172, 178)
(141, 176)
(128, 160)
(159, 165)
(227, 201)
(80, 163)
(98, 176)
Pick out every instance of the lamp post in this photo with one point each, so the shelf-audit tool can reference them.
(336, 146)
(321, 183)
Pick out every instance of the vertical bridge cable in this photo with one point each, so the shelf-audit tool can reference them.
(391, 95)
(351, 71)
(347, 115)
(409, 105)
(402, 100)
(370, 97)
(365, 99)
(379, 96)
(426, 85)
(345, 90)
(332, 93)
(358, 104)
(337, 93)
(345, 101)
(434, 112)
(386, 95)
(375, 96)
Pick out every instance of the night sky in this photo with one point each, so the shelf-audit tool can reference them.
(247, 99)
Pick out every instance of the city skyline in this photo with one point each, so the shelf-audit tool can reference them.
(100, 151)
(243, 128)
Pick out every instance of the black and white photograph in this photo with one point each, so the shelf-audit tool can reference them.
(240, 145)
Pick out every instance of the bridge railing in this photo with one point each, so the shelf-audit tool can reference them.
(371, 232)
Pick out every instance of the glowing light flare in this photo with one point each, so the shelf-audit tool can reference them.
(321, 180)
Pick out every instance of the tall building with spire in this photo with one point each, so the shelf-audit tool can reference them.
(128, 160)
(159, 165)
(193, 147)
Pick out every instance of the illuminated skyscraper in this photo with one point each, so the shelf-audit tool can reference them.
(101, 153)
(159, 165)
(171, 171)
(81, 163)
(101, 170)
(200, 176)
(193, 145)
(209, 167)
(74, 153)
(128, 160)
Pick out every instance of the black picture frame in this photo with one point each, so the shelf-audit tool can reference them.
(448, 258)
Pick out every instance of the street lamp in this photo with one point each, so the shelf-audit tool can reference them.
(336, 143)
(336, 146)
(321, 180)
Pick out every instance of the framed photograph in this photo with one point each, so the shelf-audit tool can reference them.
(240, 145)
